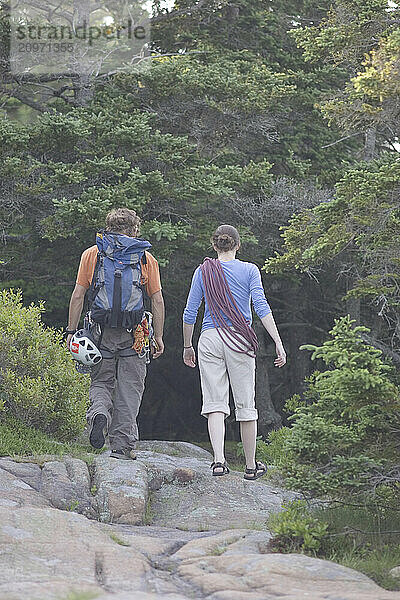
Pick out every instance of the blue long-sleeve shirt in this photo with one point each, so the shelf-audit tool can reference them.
(244, 280)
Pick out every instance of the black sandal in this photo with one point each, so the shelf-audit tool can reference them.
(219, 465)
(251, 474)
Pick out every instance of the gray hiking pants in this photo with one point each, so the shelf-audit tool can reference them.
(116, 389)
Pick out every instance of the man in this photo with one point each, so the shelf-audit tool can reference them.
(117, 382)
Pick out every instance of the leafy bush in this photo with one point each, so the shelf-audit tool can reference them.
(346, 428)
(39, 385)
(296, 529)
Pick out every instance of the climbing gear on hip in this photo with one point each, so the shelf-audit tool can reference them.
(143, 337)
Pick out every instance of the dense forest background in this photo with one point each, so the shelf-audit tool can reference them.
(265, 115)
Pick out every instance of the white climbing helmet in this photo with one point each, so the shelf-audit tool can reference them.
(83, 349)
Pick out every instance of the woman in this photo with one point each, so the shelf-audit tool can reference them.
(227, 344)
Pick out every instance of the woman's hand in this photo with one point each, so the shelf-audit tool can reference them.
(157, 350)
(280, 361)
(189, 357)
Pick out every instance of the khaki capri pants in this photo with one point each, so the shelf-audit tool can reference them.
(219, 366)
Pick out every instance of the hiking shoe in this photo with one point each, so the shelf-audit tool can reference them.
(97, 435)
(223, 468)
(259, 471)
(124, 453)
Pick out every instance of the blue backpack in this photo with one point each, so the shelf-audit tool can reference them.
(116, 294)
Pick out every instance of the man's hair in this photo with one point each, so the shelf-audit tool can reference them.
(225, 238)
(123, 220)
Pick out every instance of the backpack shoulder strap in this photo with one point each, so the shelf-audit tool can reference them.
(146, 297)
(93, 290)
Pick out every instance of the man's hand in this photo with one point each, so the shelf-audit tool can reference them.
(189, 357)
(75, 310)
(280, 361)
(157, 351)
(158, 310)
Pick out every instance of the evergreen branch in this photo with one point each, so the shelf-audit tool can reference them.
(25, 100)
(351, 528)
(32, 78)
(381, 346)
(342, 139)
(357, 505)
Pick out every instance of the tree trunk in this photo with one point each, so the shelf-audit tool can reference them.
(83, 84)
(268, 417)
(370, 141)
(83, 89)
(353, 307)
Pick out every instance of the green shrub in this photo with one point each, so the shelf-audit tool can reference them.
(295, 529)
(345, 434)
(39, 385)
